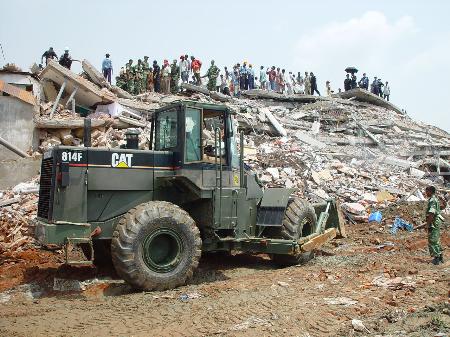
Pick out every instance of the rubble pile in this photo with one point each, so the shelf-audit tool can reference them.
(18, 206)
(368, 156)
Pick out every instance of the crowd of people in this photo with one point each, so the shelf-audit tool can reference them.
(140, 77)
(377, 87)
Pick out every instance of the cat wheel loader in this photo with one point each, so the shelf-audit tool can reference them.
(153, 212)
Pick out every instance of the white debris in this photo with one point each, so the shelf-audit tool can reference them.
(345, 301)
(359, 326)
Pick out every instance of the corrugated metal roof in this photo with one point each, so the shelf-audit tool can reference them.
(21, 94)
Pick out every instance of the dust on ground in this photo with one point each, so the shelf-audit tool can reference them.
(387, 282)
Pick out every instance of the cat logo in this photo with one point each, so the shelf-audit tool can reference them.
(121, 160)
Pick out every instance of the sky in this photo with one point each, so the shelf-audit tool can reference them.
(404, 42)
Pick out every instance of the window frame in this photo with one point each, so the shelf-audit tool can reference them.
(185, 136)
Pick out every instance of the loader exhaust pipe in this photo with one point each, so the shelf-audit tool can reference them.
(87, 132)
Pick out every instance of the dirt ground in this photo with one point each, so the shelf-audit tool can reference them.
(387, 282)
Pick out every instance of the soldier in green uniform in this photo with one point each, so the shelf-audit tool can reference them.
(129, 72)
(121, 80)
(174, 77)
(145, 72)
(212, 74)
(434, 220)
(138, 76)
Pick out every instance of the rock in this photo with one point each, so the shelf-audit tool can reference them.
(354, 207)
(273, 171)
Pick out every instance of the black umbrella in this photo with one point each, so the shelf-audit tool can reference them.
(351, 70)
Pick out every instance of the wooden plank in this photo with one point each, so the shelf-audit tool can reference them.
(320, 240)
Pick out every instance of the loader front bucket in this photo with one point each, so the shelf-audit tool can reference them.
(335, 217)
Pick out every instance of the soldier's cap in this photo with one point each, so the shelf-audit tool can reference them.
(145, 57)
(130, 60)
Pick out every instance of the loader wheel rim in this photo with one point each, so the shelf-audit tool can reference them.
(162, 250)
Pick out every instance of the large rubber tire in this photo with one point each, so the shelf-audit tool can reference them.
(156, 246)
(299, 221)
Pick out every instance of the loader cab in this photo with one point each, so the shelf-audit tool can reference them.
(201, 137)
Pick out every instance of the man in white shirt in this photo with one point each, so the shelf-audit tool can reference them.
(184, 69)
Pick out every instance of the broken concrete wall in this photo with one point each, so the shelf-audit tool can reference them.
(13, 172)
(16, 126)
(23, 81)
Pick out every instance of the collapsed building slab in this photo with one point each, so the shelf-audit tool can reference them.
(97, 77)
(86, 93)
(264, 94)
(362, 95)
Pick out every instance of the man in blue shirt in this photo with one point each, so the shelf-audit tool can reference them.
(243, 76)
(107, 68)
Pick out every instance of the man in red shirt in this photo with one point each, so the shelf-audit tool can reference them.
(196, 66)
(272, 77)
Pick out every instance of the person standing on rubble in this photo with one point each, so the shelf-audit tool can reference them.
(107, 68)
(243, 80)
(196, 66)
(49, 55)
(174, 77)
(313, 81)
(347, 83)
(65, 60)
(364, 82)
(374, 87)
(434, 219)
(307, 84)
(329, 90)
(184, 69)
(354, 83)
(150, 85)
(212, 74)
(129, 73)
(386, 91)
(156, 76)
(121, 81)
(145, 72)
(272, 78)
(251, 77)
(165, 77)
(235, 81)
(262, 78)
(139, 75)
(380, 87)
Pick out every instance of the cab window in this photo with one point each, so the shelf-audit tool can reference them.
(193, 145)
(166, 130)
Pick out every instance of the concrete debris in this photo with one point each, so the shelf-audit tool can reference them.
(18, 206)
(323, 147)
(359, 326)
(362, 95)
(397, 283)
(345, 301)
